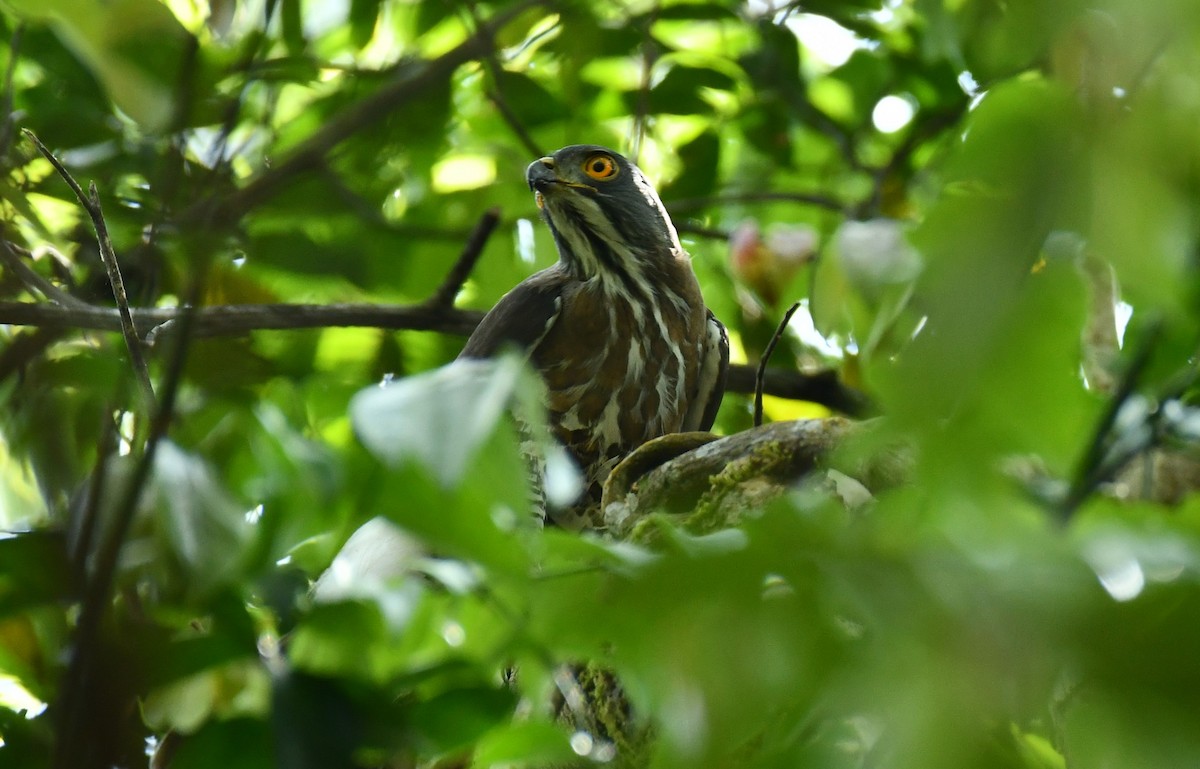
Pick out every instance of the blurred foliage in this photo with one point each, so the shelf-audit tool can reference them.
(1012, 159)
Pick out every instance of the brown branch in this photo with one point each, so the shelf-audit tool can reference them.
(91, 204)
(411, 80)
(236, 320)
(444, 297)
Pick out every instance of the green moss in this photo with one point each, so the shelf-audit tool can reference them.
(720, 507)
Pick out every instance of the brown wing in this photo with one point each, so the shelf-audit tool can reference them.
(713, 370)
(521, 317)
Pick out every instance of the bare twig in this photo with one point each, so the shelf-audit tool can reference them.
(820, 201)
(11, 255)
(91, 204)
(444, 296)
(762, 362)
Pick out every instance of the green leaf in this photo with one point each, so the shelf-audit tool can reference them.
(442, 418)
(679, 91)
(530, 100)
(531, 743)
(700, 159)
(137, 48)
(242, 743)
(34, 570)
(207, 530)
(364, 14)
(292, 23)
(455, 719)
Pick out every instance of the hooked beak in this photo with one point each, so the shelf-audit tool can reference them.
(542, 175)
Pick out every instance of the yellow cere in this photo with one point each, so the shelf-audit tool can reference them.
(463, 172)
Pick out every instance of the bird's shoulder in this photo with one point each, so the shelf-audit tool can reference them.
(523, 315)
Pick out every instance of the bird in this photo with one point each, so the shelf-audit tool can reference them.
(617, 327)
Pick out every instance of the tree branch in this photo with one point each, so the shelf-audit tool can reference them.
(239, 319)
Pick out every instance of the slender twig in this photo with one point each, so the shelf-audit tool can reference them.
(91, 204)
(14, 47)
(821, 201)
(11, 255)
(760, 374)
(444, 296)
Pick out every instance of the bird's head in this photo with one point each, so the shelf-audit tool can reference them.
(604, 213)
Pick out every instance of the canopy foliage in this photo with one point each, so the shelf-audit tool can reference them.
(989, 210)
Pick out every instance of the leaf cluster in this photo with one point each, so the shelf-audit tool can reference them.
(282, 563)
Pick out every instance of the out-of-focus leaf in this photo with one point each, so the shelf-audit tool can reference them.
(454, 719)
(775, 64)
(363, 17)
(34, 570)
(679, 91)
(342, 638)
(292, 25)
(439, 419)
(700, 159)
(315, 724)
(531, 743)
(206, 528)
(137, 48)
(242, 743)
(529, 99)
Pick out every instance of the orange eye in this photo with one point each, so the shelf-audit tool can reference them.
(600, 167)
